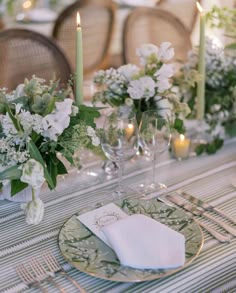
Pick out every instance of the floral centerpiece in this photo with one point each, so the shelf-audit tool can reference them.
(38, 122)
(220, 95)
(143, 88)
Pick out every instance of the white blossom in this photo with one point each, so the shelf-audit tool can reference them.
(163, 85)
(142, 88)
(166, 71)
(145, 51)
(7, 125)
(92, 133)
(166, 52)
(128, 71)
(33, 174)
(55, 123)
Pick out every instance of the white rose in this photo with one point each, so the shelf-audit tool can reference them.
(142, 88)
(166, 52)
(33, 173)
(128, 71)
(145, 51)
(34, 211)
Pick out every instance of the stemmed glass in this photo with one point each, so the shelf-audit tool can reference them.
(155, 136)
(119, 140)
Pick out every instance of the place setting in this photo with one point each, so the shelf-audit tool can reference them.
(117, 147)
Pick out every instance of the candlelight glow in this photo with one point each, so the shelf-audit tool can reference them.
(78, 19)
(199, 7)
(26, 4)
(181, 137)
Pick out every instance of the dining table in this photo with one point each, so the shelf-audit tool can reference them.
(211, 178)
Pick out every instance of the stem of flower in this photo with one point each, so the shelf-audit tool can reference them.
(33, 194)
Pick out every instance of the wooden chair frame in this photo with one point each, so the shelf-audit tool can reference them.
(137, 12)
(45, 41)
(111, 7)
(194, 15)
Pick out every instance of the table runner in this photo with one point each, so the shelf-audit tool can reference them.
(207, 176)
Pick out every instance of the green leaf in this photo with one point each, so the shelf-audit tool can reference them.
(52, 169)
(179, 125)
(231, 46)
(231, 128)
(17, 186)
(200, 149)
(10, 173)
(35, 154)
(13, 118)
(61, 169)
(88, 114)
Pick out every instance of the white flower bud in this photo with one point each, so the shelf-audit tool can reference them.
(34, 211)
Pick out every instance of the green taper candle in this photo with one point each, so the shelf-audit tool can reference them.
(201, 66)
(79, 63)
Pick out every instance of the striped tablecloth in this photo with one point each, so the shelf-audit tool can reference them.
(207, 177)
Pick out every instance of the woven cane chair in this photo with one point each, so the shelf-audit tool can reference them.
(152, 25)
(185, 10)
(24, 53)
(97, 22)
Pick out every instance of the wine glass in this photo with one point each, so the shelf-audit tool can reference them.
(155, 136)
(119, 141)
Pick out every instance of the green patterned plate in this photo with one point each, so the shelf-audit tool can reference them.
(90, 255)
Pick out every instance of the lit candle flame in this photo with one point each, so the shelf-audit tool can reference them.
(78, 20)
(26, 4)
(182, 137)
(199, 7)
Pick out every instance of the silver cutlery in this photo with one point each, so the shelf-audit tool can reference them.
(217, 235)
(55, 267)
(206, 206)
(195, 211)
(28, 278)
(41, 274)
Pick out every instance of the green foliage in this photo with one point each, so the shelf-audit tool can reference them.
(223, 18)
(10, 173)
(210, 148)
(17, 186)
(88, 114)
(179, 125)
(35, 154)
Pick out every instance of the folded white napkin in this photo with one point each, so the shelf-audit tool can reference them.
(143, 243)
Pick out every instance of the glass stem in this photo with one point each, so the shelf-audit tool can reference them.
(120, 175)
(154, 163)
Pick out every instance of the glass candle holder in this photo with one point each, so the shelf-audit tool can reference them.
(181, 146)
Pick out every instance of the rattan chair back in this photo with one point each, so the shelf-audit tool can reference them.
(152, 25)
(24, 53)
(97, 22)
(185, 10)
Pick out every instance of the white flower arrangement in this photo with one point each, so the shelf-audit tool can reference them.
(145, 87)
(220, 94)
(37, 123)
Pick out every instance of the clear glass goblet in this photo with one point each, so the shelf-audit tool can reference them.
(155, 136)
(119, 140)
